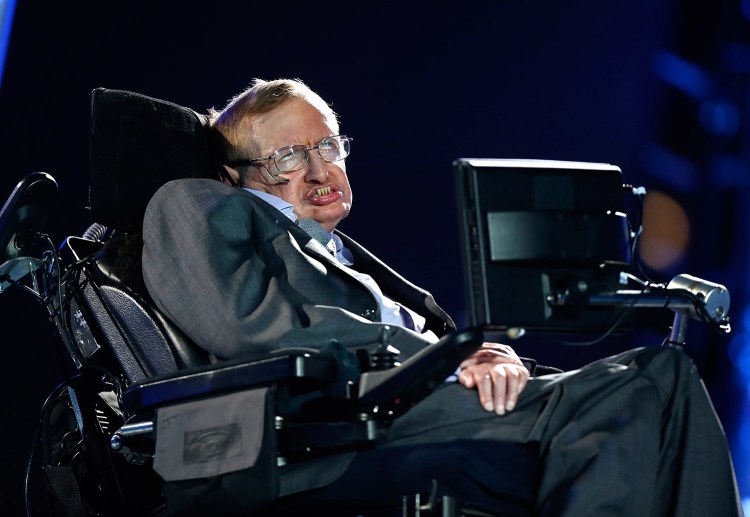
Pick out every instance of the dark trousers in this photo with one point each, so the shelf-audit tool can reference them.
(634, 434)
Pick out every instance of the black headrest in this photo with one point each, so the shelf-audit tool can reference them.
(139, 143)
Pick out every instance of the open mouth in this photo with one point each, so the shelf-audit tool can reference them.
(322, 191)
(322, 196)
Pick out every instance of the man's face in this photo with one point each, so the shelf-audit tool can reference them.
(297, 122)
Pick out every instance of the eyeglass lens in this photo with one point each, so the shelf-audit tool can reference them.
(332, 149)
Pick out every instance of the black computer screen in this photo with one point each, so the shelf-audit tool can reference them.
(531, 229)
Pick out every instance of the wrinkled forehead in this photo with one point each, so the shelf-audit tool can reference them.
(296, 121)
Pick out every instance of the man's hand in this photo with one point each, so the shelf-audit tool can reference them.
(497, 373)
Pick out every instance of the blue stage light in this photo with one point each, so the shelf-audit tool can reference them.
(7, 9)
(720, 117)
(682, 74)
(739, 354)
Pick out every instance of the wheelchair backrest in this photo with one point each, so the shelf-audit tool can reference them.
(138, 143)
(115, 323)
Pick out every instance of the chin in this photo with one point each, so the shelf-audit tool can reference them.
(329, 219)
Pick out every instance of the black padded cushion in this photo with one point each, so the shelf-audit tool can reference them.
(139, 143)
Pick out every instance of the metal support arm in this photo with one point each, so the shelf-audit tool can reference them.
(686, 295)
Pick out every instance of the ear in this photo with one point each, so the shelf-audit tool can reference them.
(230, 176)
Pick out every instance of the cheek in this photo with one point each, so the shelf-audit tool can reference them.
(343, 181)
(286, 191)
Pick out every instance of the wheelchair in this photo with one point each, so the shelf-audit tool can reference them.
(151, 424)
(102, 431)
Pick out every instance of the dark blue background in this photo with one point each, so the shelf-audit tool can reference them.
(657, 88)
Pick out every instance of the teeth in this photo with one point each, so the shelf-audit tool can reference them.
(323, 191)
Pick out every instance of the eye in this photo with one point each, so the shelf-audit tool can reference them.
(290, 158)
(284, 154)
(330, 144)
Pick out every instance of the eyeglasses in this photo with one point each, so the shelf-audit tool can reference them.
(294, 157)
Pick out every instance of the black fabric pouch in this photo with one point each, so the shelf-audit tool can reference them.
(236, 492)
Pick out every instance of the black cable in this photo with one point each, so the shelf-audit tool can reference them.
(611, 329)
(95, 232)
(55, 396)
(57, 288)
(66, 323)
(72, 273)
(640, 194)
(27, 471)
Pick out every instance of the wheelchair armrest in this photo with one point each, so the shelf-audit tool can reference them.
(229, 376)
(335, 419)
(397, 388)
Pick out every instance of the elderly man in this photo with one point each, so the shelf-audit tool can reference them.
(256, 264)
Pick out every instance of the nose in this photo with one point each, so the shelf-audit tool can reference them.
(317, 169)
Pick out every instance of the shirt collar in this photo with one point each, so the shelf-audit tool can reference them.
(341, 252)
(279, 204)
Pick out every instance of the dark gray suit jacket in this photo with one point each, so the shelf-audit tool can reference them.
(239, 278)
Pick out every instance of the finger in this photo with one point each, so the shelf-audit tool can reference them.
(524, 378)
(497, 346)
(518, 386)
(470, 361)
(478, 356)
(512, 386)
(504, 350)
(485, 388)
(466, 378)
(489, 356)
(499, 388)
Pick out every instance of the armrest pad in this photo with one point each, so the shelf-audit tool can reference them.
(396, 389)
(228, 376)
(402, 386)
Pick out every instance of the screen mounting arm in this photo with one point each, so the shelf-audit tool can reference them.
(686, 295)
